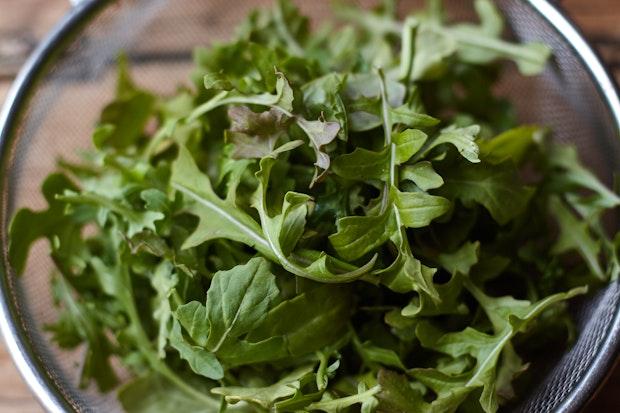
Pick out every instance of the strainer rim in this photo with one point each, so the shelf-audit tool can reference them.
(600, 368)
(24, 356)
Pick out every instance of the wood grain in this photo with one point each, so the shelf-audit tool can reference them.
(24, 22)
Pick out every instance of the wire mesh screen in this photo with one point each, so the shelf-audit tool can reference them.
(158, 36)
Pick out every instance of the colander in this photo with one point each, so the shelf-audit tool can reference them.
(57, 98)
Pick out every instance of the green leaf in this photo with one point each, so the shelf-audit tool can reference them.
(137, 221)
(432, 47)
(254, 135)
(283, 99)
(237, 299)
(153, 393)
(193, 318)
(243, 352)
(368, 85)
(450, 300)
(575, 235)
(496, 187)
(364, 397)
(481, 44)
(217, 81)
(477, 47)
(407, 143)
(397, 395)
(201, 361)
(569, 173)
(514, 145)
(406, 273)
(320, 133)
(509, 317)
(163, 280)
(417, 209)
(409, 117)
(362, 164)
(231, 222)
(322, 97)
(491, 20)
(422, 174)
(27, 226)
(266, 397)
(373, 356)
(359, 235)
(463, 139)
(461, 260)
(272, 226)
(123, 120)
(307, 322)
(295, 209)
(78, 323)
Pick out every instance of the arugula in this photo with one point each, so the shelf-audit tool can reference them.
(340, 220)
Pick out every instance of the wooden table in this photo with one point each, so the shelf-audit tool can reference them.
(24, 22)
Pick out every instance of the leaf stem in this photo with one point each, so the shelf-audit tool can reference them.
(385, 109)
(387, 133)
(344, 401)
(284, 33)
(146, 348)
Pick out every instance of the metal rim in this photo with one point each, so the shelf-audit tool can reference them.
(24, 356)
(28, 364)
(600, 368)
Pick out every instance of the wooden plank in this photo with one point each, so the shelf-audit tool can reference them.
(22, 24)
(598, 18)
(15, 396)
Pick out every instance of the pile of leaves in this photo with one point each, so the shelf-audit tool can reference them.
(348, 220)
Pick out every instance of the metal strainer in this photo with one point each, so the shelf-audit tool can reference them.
(59, 94)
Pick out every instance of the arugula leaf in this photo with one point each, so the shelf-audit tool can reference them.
(267, 396)
(363, 164)
(124, 120)
(27, 226)
(237, 299)
(282, 99)
(569, 173)
(152, 393)
(514, 144)
(397, 395)
(163, 281)
(231, 223)
(322, 97)
(307, 322)
(461, 260)
(358, 235)
(201, 361)
(320, 133)
(136, 221)
(461, 138)
(79, 323)
(254, 135)
(495, 187)
(364, 397)
(575, 235)
(509, 317)
(319, 268)
(374, 355)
